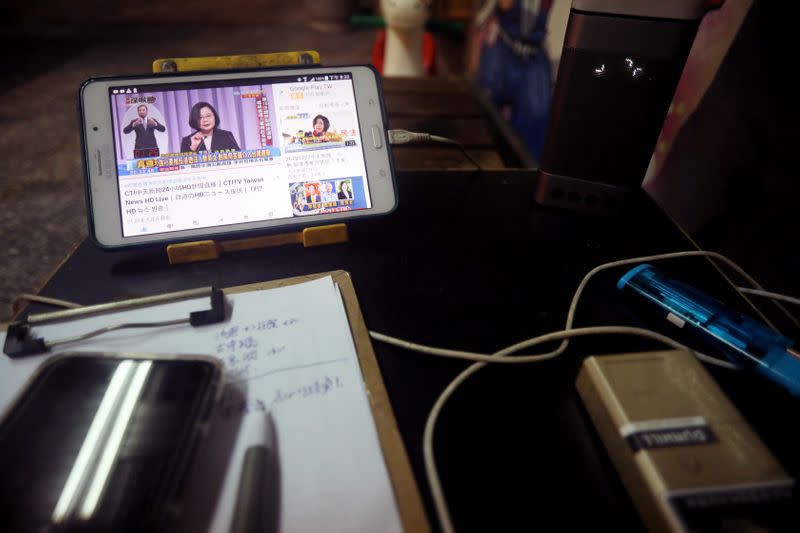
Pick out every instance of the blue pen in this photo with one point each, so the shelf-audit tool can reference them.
(742, 339)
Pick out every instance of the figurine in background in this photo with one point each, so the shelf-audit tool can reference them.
(514, 66)
(405, 27)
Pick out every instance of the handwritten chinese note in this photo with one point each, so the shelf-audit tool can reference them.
(287, 350)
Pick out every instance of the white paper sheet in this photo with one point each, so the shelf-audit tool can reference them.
(287, 350)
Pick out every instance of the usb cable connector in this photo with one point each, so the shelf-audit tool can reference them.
(397, 137)
(407, 137)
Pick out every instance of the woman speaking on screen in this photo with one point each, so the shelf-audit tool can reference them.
(208, 136)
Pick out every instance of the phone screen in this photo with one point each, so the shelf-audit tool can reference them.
(98, 443)
(194, 155)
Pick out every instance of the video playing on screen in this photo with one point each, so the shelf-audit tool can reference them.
(198, 155)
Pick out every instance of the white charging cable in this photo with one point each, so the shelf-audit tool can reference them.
(399, 137)
(503, 356)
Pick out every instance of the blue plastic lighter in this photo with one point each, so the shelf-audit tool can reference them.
(742, 339)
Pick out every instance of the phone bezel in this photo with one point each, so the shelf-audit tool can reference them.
(102, 192)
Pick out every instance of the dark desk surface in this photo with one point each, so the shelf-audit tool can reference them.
(467, 261)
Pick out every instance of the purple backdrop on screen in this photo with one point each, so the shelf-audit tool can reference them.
(237, 115)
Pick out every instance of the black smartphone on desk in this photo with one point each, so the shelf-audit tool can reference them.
(102, 442)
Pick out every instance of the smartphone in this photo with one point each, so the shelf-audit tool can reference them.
(102, 442)
(192, 156)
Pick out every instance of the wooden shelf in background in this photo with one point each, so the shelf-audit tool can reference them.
(452, 108)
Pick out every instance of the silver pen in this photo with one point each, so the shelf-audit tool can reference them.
(253, 512)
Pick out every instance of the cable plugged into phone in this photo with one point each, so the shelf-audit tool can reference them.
(398, 137)
(242, 208)
(408, 137)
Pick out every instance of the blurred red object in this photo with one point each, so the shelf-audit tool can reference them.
(428, 52)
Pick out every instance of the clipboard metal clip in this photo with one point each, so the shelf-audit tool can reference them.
(20, 342)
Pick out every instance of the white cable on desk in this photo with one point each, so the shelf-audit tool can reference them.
(660, 257)
(397, 137)
(770, 295)
(502, 357)
(23, 297)
(579, 292)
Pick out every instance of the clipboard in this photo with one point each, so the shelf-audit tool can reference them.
(407, 496)
(406, 493)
